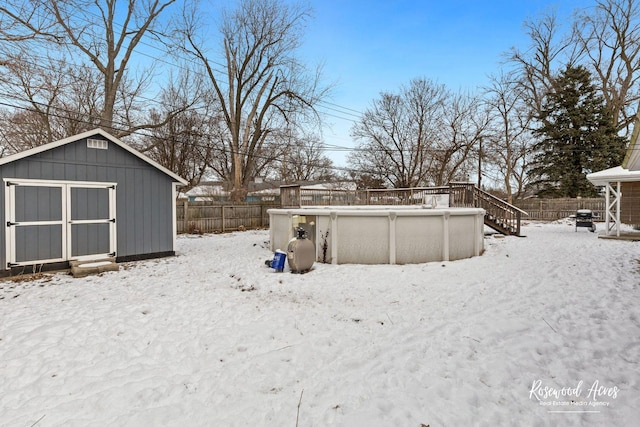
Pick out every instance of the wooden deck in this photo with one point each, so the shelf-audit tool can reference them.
(499, 215)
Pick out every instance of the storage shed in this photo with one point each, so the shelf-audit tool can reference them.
(85, 197)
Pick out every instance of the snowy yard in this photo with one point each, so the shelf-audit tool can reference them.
(542, 330)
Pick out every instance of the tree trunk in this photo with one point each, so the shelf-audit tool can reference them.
(238, 190)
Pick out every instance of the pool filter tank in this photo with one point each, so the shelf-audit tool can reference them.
(301, 252)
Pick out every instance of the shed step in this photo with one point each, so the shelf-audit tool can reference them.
(94, 266)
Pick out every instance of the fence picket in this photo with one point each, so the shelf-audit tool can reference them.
(207, 217)
(555, 209)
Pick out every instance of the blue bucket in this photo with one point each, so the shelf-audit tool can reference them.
(278, 260)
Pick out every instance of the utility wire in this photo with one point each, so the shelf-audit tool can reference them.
(146, 133)
(346, 113)
(226, 151)
(330, 109)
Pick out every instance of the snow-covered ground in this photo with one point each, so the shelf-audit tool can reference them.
(542, 330)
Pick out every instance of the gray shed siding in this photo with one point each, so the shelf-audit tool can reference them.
(144, 204)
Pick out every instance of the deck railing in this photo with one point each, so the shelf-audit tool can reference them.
(294, 196)
(500, 215)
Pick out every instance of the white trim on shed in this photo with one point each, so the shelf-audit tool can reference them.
(87, 134)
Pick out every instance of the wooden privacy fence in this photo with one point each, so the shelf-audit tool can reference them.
(554, 209)
(212, 217)
(208, 217)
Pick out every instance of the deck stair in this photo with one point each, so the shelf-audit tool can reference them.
(499, 215)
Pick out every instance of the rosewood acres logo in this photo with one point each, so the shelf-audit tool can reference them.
(573, 399)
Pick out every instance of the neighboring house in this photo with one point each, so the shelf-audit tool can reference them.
(335, 185)
(218, 191)
(85, 197)
(622, 187)
(206, 191)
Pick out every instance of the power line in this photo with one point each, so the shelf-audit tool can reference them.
(226, 151)
(328, 108)
(345, 113)
(325, 146)
(222, 151)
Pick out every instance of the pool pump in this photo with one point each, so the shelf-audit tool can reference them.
(301, 252)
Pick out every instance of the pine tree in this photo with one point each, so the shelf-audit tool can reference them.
(577, 137)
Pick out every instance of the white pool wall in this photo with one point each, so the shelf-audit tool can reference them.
(385, 234)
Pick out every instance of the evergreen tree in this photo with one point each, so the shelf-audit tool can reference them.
(577, 137)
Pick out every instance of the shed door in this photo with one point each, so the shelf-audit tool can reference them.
(91, 221)
(58, 221)
(36, 225)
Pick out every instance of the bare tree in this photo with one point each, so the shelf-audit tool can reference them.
(187, 143)
(549, 50)
(263, 89)
(38, 90)
(49, 103)
(604, 38)
(103, 33)
(464, 123)
(508, 141)
(609, 35)
(423, 135)
(20, 130)
(397, 134)
(305, 160)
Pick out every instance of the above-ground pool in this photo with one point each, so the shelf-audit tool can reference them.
(382, 234)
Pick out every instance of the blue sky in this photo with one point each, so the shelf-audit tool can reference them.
(369, 46)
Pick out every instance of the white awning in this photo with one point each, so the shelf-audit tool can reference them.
(617, 174)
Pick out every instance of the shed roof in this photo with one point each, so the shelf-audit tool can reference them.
(88, 134)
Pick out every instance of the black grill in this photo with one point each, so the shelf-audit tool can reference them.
(584, 218)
